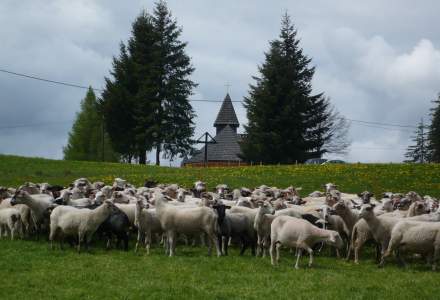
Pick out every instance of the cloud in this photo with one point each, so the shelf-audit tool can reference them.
(372, 68)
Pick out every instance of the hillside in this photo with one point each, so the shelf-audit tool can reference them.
(378, 178)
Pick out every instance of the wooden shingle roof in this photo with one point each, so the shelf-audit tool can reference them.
(226, 147)
(226, 115)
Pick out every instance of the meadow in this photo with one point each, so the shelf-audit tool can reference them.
(29, 269)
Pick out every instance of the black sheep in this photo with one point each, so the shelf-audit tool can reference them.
(117, 224)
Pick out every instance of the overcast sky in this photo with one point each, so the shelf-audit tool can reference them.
(377, 60)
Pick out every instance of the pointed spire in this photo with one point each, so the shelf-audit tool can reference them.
(226, 115)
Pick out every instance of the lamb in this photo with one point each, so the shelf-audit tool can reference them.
(262, 222)
(70, 221)
(187, 221)
(9, 221)
(38, 203)
(380, 227)
(25, 215)
(147, 223)
(293, 232)
(417, 237)
(232, 225)
(117, 224)
(349, 216)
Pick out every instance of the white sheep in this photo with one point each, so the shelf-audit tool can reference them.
(298, 233)
(416, 237)
(9, 222)
(175, 220)
(380, 227)
(82, 223)
(25, 215)
(147, 223)
(38, 203)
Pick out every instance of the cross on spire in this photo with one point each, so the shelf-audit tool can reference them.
(227, 85)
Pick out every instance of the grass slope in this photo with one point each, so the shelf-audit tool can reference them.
(378, 178)
(28, 269)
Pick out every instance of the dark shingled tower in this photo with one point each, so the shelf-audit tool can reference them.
(226, 150)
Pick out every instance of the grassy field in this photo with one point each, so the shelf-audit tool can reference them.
(28, 269)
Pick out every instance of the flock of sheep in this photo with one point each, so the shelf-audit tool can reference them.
(265, 218)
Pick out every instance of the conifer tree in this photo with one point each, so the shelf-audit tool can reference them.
(150, 90)
(434, 132)
(173, 124)
(88, 139)
(419, 152)
(286, 121)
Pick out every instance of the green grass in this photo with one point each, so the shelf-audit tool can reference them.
(378, 178)
(28, 269)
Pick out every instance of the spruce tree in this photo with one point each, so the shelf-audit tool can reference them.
(173, 123)
(286, 121)
(150, 90)
(118, 105)
(88, 138)
(419, 152)
(434, 132)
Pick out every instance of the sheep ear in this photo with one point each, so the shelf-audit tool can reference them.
(298, 188)
(227, 207)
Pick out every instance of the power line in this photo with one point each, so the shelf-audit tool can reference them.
(383, 124)
(192, 100)
(49, 80)
(35, 124)
(384, 128)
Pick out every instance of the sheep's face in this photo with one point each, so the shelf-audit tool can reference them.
(221, 211)
(420, 208)
(388, 205)
(413, 196)
(367, 211)
(340, 207)
(20, 197)
(330, 187)
(266, 207)
(365, 196)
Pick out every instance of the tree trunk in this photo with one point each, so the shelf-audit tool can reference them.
(158, 155)
(142, 157)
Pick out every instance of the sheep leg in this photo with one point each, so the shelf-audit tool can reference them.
(310, 250)
(171, 242)
(221, 244)
(259, 246)
(225, 244)
(12, 232)
(338, 254)
(244, 245)
(349, 251)
(271, 249)
(148, 241)
(400, 259)
(80, 239)
(264, 246)
(434, 258)
(139, 238)
(299, 253)
(277, 248)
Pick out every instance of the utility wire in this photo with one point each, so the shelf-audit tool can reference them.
(49, 80)
(192, 100)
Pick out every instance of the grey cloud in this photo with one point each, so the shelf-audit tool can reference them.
(377, 61)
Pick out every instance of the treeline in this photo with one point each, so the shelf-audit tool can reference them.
(145, 104)
(426, 139)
